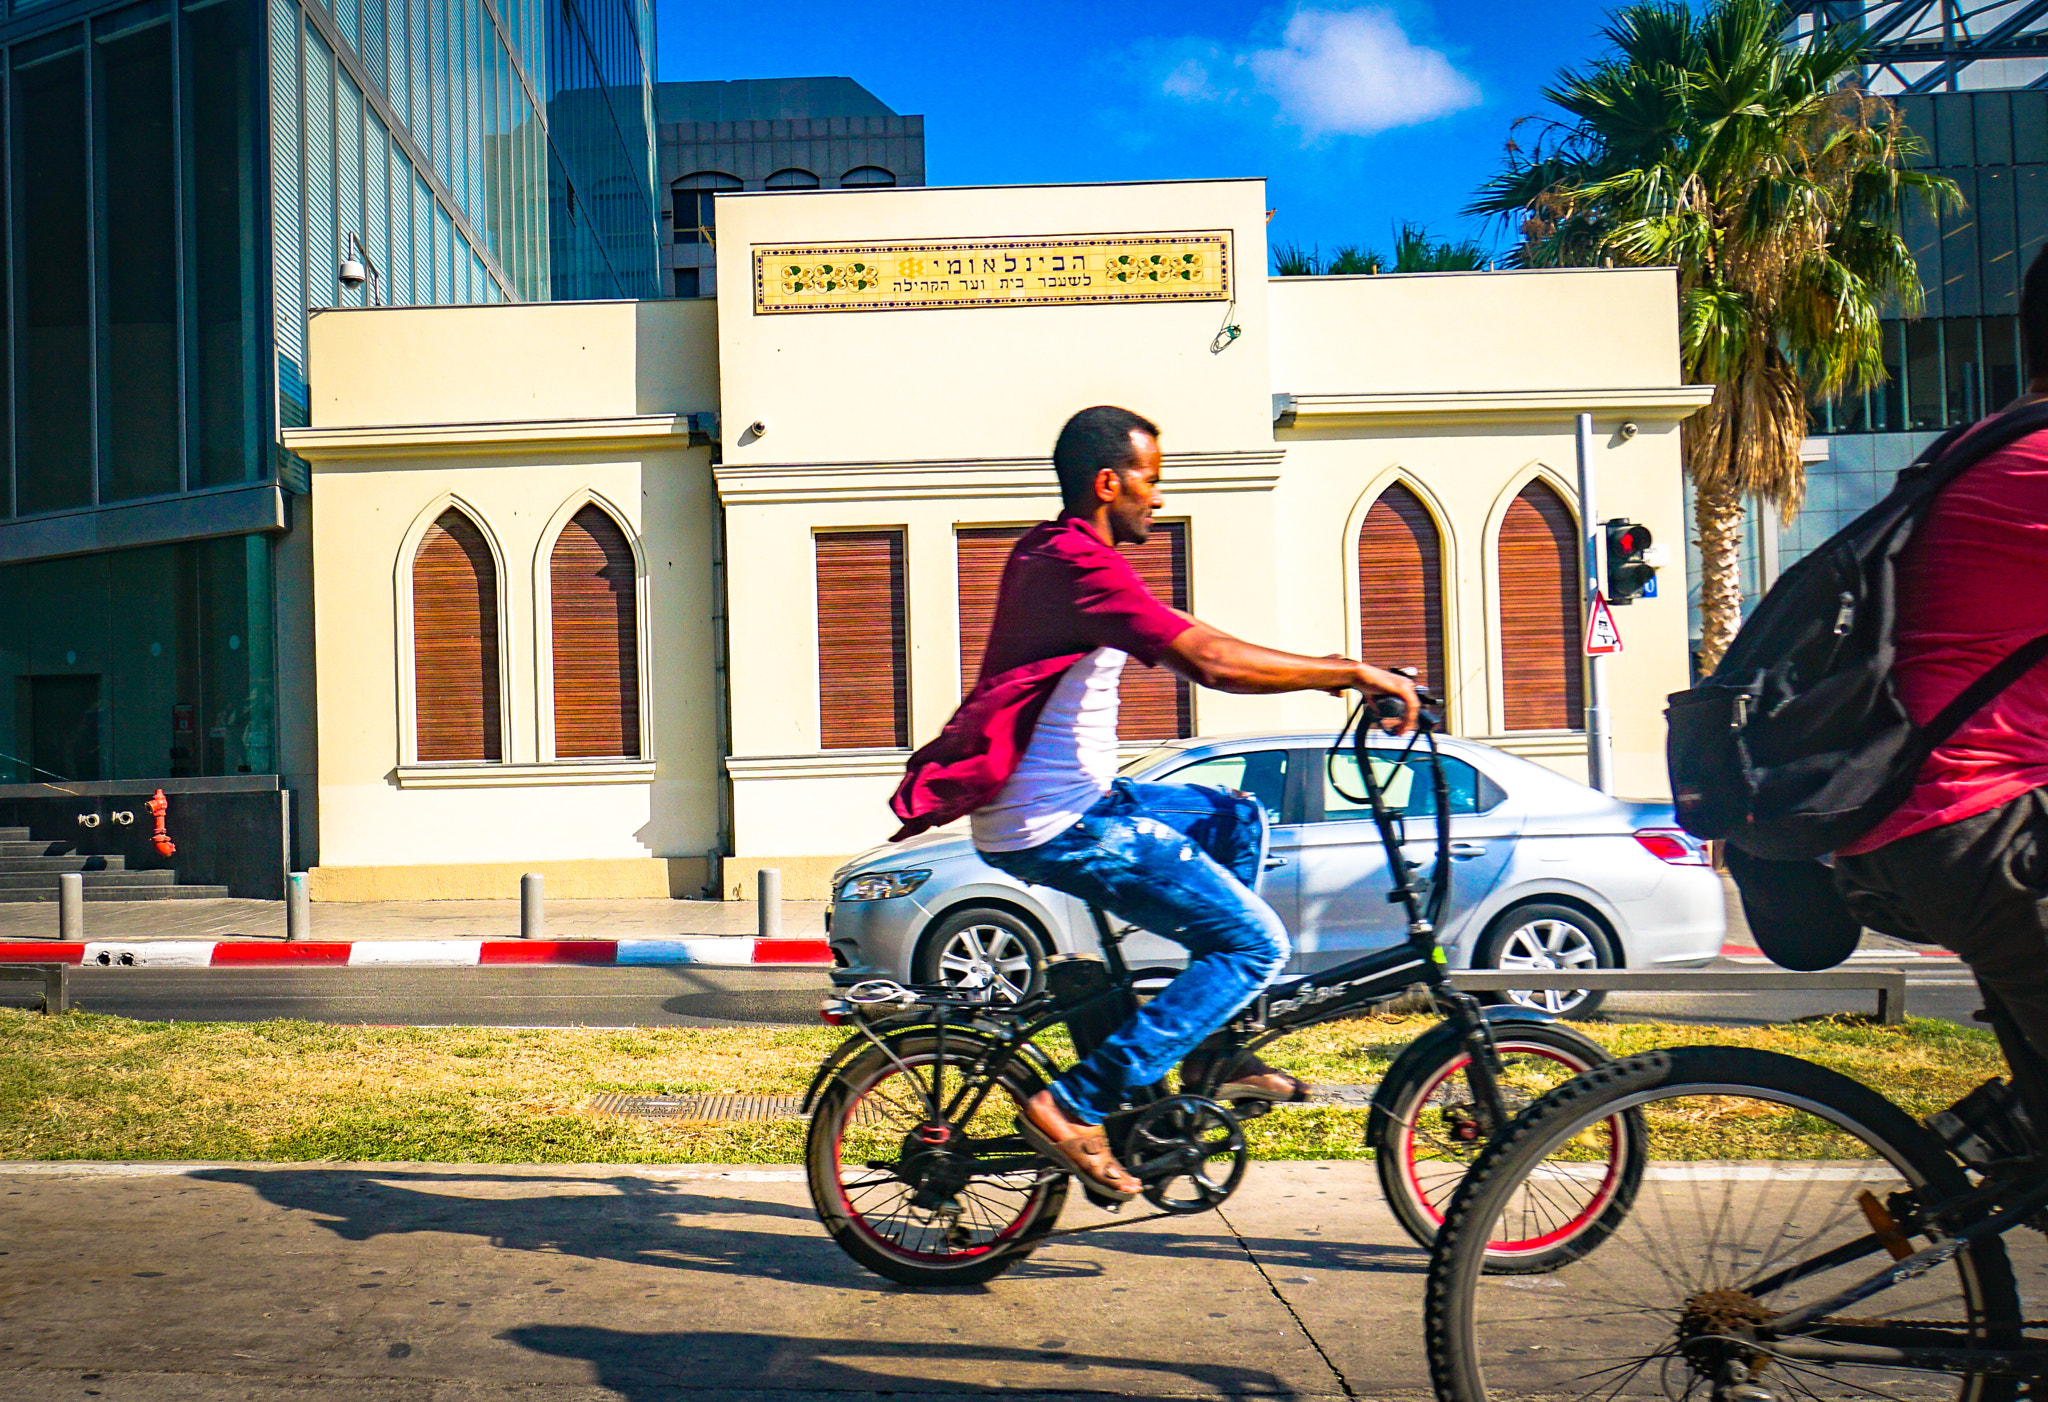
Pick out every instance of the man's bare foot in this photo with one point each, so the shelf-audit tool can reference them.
(1276, 1086)
(1084, 1147)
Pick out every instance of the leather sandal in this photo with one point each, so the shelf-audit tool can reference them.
(1086, 1154)
(1274, 1087)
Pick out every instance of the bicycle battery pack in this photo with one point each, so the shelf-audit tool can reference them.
(1093, 1006)
(1985, 1126)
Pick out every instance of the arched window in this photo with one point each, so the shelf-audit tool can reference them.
(866, 175)
(1543, 676)
(1401, 586)
(455, 644)
(594, 609)
(792, 179)
(695, 204)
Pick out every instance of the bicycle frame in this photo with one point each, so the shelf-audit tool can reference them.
(1302, 1002)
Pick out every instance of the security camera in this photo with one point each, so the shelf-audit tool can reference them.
(1629, 430)
(352, 273)
(757, 428)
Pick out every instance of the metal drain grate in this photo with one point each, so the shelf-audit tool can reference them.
(701, 1109)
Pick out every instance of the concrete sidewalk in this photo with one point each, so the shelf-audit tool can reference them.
(407, 920)
(454, 1283)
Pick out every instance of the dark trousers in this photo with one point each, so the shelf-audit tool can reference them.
(1978, 887)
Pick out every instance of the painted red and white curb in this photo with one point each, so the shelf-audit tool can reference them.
(718, 950)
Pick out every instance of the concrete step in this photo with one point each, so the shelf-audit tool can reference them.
(120, 893)
(10, 847)
(37, 880)
(13, 834)
(72, 863)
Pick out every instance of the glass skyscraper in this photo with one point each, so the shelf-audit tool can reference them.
(184, 179)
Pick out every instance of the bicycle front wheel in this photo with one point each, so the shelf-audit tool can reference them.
(1427, 1130)
(1760, 1165)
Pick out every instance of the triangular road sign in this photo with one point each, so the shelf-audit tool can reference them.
(1602, 637)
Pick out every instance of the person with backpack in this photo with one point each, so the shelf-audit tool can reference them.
(1885, 704)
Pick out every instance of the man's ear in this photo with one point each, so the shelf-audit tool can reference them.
(1108, 485)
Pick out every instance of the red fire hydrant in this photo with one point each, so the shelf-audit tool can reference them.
(159, 805)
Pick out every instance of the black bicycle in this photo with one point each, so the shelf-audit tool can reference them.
(1796, 1235)
(918, 1171)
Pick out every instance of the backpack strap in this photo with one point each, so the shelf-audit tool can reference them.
(1951, 717)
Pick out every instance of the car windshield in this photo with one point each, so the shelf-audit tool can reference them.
(1132, 768)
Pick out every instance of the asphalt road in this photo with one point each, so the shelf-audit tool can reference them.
(707, 997)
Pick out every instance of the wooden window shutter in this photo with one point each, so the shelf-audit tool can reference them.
(593, 605)
(982, 551)
(1543, 675)
(1401, 587)
(863, 665)
(455, 644)
(1154, 702)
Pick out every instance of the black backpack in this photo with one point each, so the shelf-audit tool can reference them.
(1797, 744)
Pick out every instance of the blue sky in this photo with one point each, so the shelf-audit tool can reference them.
(1357, 114)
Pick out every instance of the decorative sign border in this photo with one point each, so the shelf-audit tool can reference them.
(940, 274)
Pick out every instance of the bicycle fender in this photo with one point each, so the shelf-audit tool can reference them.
(891, 1032)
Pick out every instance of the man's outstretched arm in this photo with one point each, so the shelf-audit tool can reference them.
(1211, 657)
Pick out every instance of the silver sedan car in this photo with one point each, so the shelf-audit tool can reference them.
(1546, 874)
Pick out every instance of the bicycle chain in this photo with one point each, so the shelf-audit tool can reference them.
(1903, 1323)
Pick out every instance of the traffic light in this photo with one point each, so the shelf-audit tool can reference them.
(1632, 561)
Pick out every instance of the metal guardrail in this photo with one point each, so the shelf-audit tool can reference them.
(55, 978)
(1888, 984)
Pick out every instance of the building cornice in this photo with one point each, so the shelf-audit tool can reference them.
(1659, 406)
(1255, 470)
(819, 764)
(639, 431)
(524, 776)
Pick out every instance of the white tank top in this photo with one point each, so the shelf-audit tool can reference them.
(1068, 765)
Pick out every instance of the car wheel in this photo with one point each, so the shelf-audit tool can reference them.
(979, 946)
(1540, 935)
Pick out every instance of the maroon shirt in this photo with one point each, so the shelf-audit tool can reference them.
(1065, 592)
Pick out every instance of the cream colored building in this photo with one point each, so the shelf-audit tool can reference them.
(888, 369)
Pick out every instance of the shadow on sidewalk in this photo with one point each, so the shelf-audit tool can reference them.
(639, 1221)
(662, 1367)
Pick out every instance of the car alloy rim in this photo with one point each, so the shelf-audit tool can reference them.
(1549, 944)
(981, 955)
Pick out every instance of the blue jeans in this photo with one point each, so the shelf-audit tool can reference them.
(1181, 861)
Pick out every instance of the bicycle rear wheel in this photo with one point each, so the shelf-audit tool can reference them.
(1759, 1164)
(1426, 1131)
(925, 1203)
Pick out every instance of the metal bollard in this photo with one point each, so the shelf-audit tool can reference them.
(768, 902)
(533, 924)
(71, 907)
(298, 907)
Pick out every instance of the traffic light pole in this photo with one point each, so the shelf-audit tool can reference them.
(1599, 743)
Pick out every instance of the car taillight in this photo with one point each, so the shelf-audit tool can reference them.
(1673, 845)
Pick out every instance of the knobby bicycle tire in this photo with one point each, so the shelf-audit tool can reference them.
(1591, 1329)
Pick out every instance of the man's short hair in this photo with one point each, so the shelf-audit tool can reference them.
(2034, 316)
(1092, 440)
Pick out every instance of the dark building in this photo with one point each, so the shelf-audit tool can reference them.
(188, 180)
(768, 134)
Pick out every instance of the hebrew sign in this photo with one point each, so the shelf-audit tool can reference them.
(1018, 272)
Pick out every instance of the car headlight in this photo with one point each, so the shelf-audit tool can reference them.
(882, 885)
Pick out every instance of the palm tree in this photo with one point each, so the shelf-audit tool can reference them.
(1775, 185)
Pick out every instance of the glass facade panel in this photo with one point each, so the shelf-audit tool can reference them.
(1924, 379)
(220, 150)
(140, 664)
(53, 279)
(138, 266)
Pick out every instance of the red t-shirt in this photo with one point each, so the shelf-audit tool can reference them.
(1973, 586)
(1065, 592)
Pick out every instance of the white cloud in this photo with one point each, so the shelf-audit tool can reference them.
(1350, 72)
(1190, 82)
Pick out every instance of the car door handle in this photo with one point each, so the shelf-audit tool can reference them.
(1275, 863)
(1468, 849)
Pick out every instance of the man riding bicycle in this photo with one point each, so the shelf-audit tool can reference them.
(1031, 755)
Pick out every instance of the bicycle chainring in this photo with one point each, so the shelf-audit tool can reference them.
(1188, 1151)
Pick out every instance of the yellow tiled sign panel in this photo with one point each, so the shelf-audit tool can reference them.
(1016, 272)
